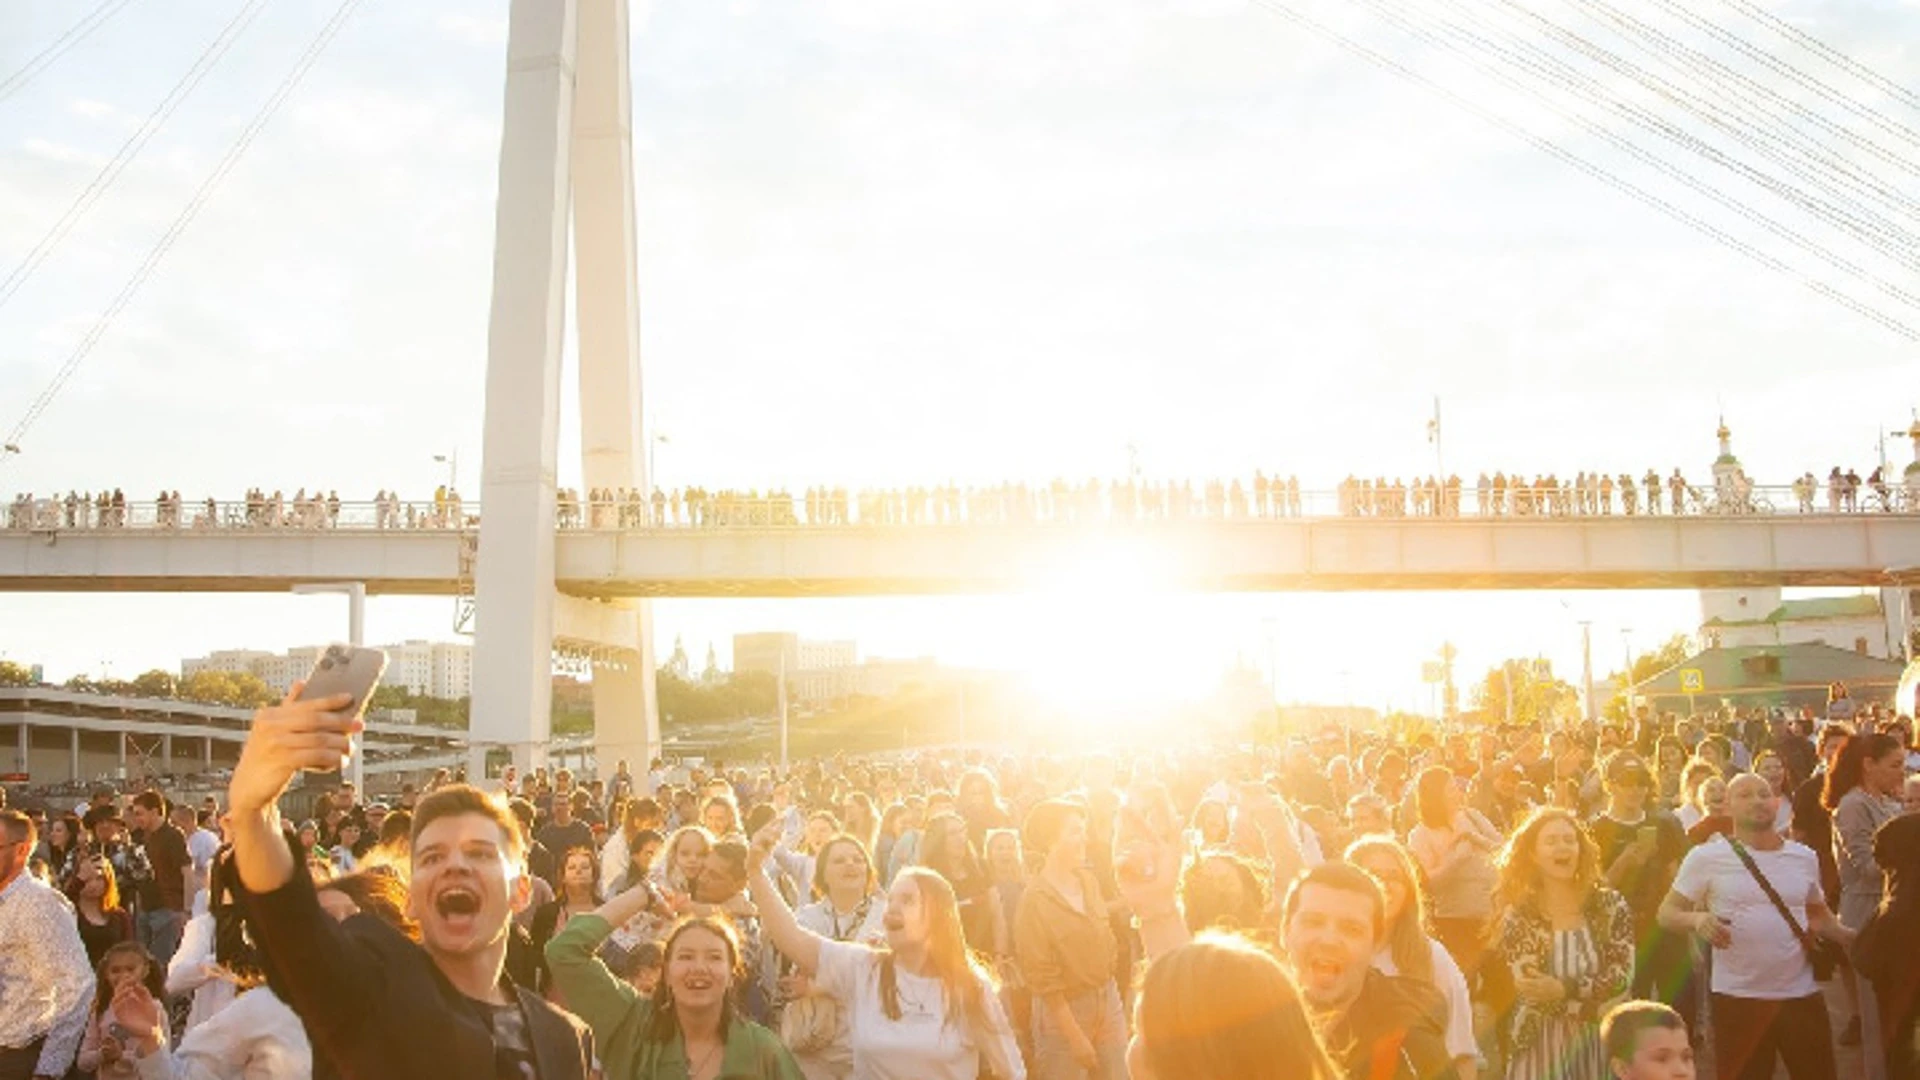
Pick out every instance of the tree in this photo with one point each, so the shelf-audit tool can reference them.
(12, 674)
(155, 683)
(240, 690)
(1538, 697)
(1645, 668)
(1647, 665)
(250, 691)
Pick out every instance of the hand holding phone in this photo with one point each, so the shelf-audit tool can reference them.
(311, 730)
(350, 670)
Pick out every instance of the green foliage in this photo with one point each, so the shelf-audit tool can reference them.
(1538, 697)
(155, 683)
(1645, 667)
(240, 690)
(431, 711)
(12, 674)
(729, 697)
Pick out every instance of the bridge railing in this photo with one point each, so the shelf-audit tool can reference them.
(952, 509)
(210, 515)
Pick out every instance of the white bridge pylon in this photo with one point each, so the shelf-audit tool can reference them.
(566, 143)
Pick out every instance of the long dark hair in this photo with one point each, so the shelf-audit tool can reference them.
(1847, 768)
(955, 861)
(593, 879)
(663, 1025)
(232, 944)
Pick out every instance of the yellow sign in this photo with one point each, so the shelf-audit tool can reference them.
(1692, 681)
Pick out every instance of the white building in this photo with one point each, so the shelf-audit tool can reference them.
(816, 671)
(227, 661)
(437, 669)
(1868, 624)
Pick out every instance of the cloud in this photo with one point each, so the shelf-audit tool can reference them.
(478, 31)
(65, 153)
(91, 109)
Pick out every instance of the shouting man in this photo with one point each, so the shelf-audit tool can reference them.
(376, 1003)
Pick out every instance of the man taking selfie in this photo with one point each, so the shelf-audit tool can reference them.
(376, 1003)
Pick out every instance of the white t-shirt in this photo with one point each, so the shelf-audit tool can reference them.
(202, 846)
(920, 1045)
(1765, 960)
(1453, 987)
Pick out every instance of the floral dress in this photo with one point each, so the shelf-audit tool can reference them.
(1561, 1041)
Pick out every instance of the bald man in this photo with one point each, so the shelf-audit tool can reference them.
(1766, 1004)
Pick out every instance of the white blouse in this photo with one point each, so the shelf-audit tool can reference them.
(256, 1038)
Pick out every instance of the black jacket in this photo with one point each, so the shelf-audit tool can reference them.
(1395, 1030)
(375, 1006)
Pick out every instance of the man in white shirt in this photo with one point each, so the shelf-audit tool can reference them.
(1766, 1004)
(202, 846)
(46, 983)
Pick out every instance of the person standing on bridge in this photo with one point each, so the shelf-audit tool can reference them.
(375, 1003)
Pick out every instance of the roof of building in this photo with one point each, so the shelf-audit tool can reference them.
(1816, 608)
(1728, 669)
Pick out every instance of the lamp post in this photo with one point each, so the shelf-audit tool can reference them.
(1633, 684)
(452, 462)
(1586, 667)
(653, 459)
(356, 594)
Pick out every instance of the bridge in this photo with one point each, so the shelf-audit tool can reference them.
(767, 548)
(540, 575)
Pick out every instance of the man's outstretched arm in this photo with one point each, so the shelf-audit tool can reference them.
(286, 739)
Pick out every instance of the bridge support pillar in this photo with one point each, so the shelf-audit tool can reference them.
(513, 639)
(73, 755)
(566, 143)
(613, 439)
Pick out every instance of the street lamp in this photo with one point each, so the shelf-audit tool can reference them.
(1633, 684)
(452, 462)
(653, 445)
(356, 594)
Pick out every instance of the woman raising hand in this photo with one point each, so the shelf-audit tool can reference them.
(919, 1006)
(691, 1027)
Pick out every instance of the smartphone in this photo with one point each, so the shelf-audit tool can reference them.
(346, 669)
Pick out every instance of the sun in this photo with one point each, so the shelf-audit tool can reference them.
(1093, 636)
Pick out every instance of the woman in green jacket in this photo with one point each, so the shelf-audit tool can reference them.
(690, 1029)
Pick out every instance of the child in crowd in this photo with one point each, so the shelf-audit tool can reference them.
(1646, 1040)
(644, 974)
(104, 1049)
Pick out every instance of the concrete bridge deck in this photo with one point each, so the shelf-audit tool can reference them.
(1285, 554)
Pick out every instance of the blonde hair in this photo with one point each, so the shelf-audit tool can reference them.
(1407, 933)
(664, 869)
(1220, 1006)
(966, 982)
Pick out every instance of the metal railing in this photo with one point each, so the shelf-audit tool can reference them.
(959, 508)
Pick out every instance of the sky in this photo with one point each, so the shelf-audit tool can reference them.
(892, 241)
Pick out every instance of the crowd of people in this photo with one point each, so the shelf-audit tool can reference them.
(1397, 905)
(1261, 497)
(259, 509)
